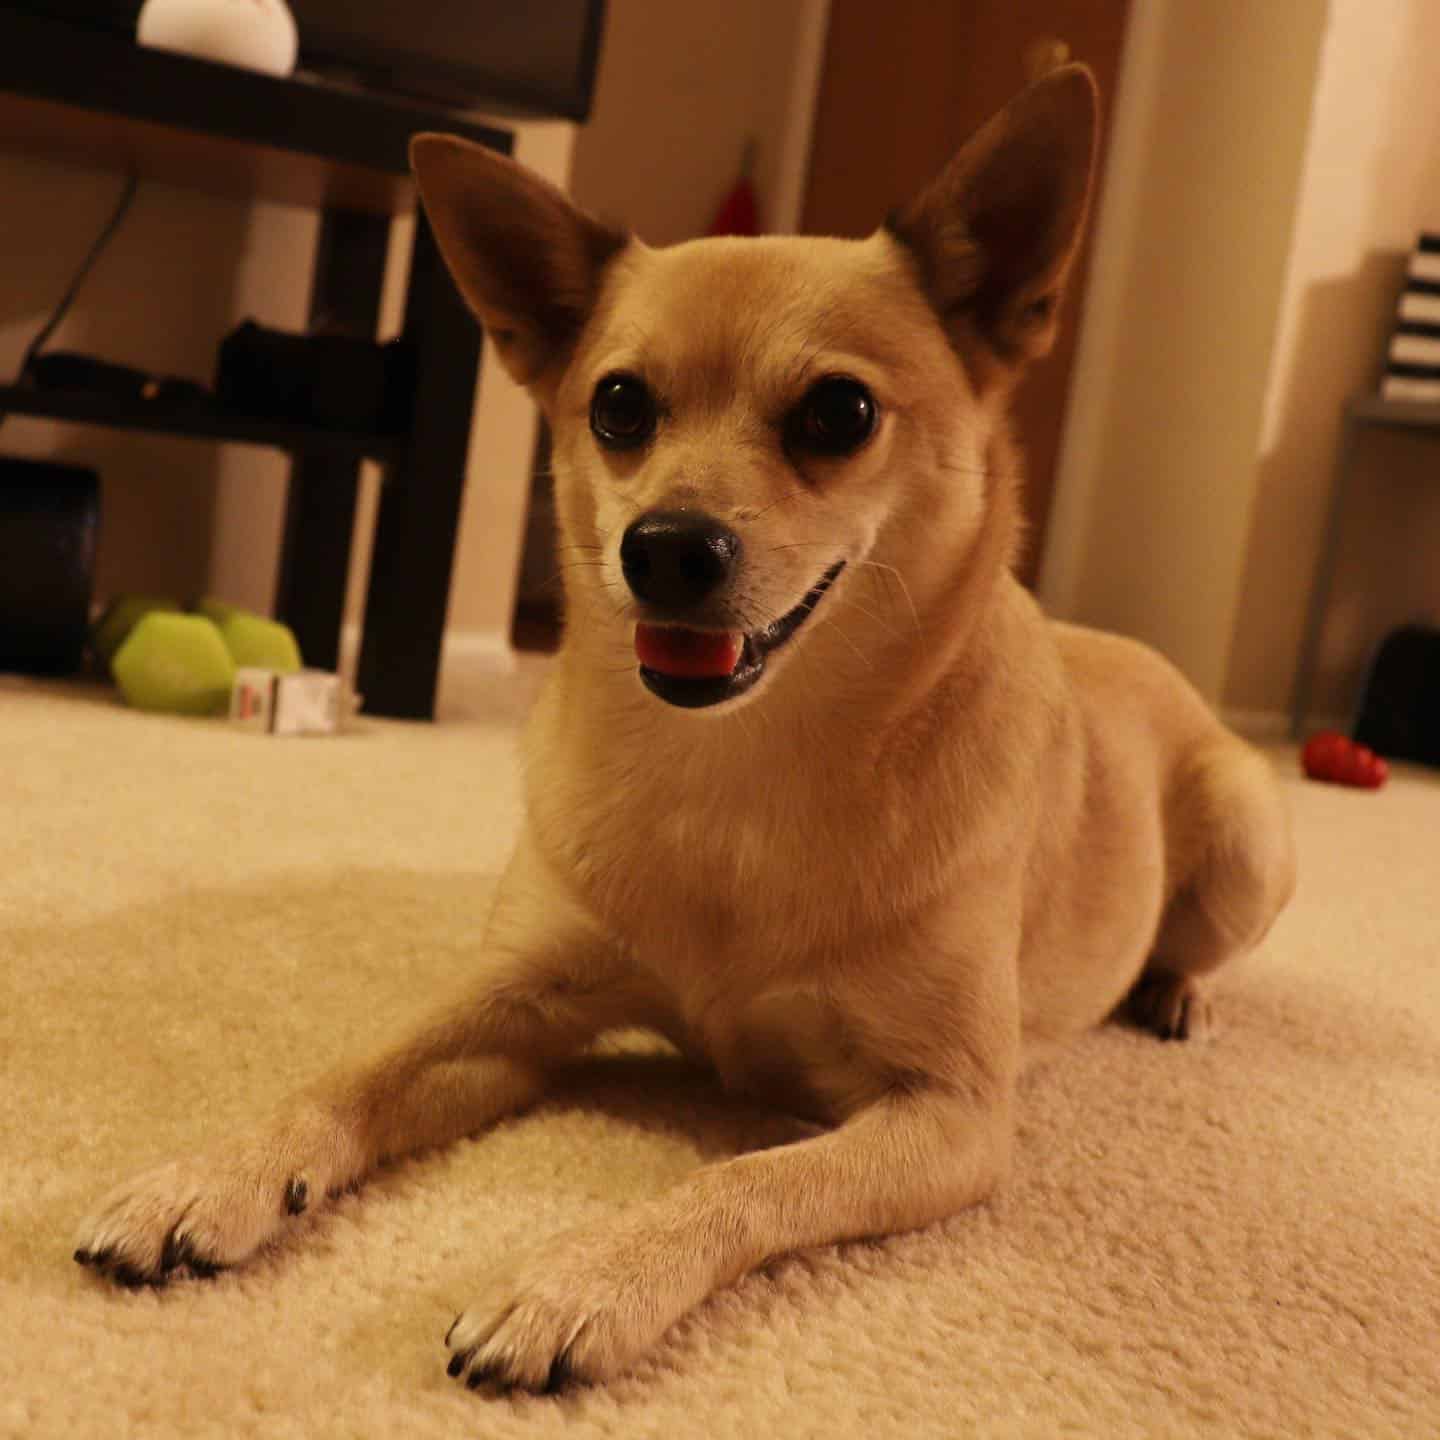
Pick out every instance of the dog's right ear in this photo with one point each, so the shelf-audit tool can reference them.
(525, 259)
(995, 235)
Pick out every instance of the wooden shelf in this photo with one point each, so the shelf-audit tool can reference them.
(197, 424)
(94, 98)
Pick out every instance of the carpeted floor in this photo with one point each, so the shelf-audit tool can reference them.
(1234, 1240)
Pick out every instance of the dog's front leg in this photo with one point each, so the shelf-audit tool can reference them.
(596, 1299)
(548, 982)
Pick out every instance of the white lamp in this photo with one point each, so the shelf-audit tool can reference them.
(253, 34)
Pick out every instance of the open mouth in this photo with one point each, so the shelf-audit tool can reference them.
(697, 668)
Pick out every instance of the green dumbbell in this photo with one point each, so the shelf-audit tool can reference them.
(185, 664)
(121, 616)
(252, 639)
(175, 663)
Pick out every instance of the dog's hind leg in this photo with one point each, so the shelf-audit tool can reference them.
(1232, 869)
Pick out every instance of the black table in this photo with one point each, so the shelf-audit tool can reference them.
(96, 99)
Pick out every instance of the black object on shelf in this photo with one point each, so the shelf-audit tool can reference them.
(49, 526)
(65, 370)
(1399, 715)
(331, 381)
(194, 422)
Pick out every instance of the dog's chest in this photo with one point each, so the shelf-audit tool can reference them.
(737, 933)
(754, 882)
(786, 1046)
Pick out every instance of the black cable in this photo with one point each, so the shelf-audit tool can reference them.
(57, 317)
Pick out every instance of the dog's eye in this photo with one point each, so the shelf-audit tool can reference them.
(836, 416)
(622, 412)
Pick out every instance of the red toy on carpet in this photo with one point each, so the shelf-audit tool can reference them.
(1337, 758)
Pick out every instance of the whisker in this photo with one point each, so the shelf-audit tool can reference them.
(869, 615)
(739, 717)
(750, 517)
(559, 575)
(905, 590)
(859, 654)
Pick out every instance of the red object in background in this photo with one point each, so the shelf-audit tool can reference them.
(739, 212)
(1338, 759)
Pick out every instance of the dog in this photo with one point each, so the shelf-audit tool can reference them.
(814, 790)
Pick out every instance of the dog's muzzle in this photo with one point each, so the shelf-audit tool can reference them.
(676, 567)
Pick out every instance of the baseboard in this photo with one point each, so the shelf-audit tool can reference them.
(1262, 726)
(1265, 727)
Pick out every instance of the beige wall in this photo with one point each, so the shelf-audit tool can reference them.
(1371, 180)
(1272, 165)
(681, 87)
(1157, 481)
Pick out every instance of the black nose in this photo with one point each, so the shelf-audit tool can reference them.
(675, 559)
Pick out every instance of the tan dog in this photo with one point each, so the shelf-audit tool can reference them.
(814, 790)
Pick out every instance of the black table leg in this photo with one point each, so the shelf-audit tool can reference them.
(1324, 578)
(419, 515)
(320, 512)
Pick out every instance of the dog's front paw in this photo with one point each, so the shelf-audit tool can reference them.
(581, 1311)
(200, 1215)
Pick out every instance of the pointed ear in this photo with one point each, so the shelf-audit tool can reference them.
(996, 233)
(525, 259)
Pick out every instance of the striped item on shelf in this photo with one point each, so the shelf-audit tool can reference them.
(1412, 367)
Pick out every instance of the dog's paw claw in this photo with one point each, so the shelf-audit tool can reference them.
(180, 1253)
(297, 1195)
(175, 1254)
(580, 1314)
(132, 1277)
(561, 1375)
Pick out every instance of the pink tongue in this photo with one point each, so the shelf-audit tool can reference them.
(688, 653)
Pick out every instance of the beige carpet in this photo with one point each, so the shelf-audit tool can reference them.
(1235, 1240)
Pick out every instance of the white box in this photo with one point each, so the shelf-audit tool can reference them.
(308, 702)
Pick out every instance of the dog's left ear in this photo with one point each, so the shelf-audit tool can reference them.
(528, 262)
(995, 234)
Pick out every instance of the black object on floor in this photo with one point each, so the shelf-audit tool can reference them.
(49, 527)
(1399, 715)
